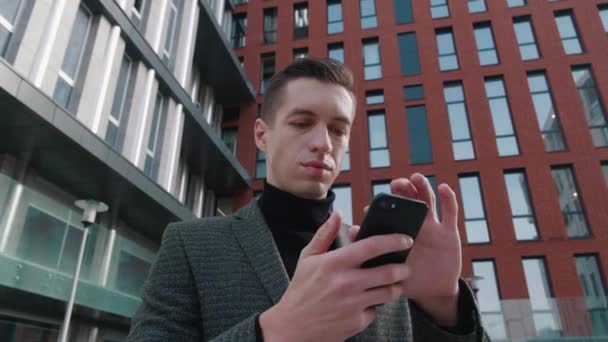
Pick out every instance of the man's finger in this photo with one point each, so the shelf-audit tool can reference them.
(404, 187)
(352, 233)
(425, 193)
(360, 251)
(325, 235)
(449, 205)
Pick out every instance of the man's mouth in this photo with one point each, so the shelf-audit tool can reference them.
(317, 164)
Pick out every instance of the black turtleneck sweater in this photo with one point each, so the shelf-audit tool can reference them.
(293, 222)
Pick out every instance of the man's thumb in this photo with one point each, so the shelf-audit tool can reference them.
(326, 234)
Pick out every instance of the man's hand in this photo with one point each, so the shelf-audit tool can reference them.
(331, 298)
(435, 260)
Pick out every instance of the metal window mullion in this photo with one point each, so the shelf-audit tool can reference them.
(7, 24)
(505, 135)
(66, 78)
(86, 38)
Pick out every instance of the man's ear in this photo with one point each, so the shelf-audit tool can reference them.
(260, 133)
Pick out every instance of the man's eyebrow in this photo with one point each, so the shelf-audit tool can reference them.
(307, 112)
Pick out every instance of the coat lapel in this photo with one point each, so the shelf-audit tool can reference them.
(255, 238)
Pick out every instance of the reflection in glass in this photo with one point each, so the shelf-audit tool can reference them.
(546, 320)
(521, 206)
(378, 142)
(462, 141)
(474, 214)
(570, 202)
(501, 117)
(525, 38)
(486, 49)
(546, 115)
(343, 202)
(448, 60)
(592, 106)
(568, 34)
(488, 299)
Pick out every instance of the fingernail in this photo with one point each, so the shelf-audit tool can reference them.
(408, 241)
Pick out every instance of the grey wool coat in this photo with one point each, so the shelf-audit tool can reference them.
(212, 277)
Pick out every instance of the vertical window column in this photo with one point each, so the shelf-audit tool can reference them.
(372, 69)
(488, 297)
(446, 49)
(336, 51)
(408, 54)
(300, 27)
(520, 202)
(506, 140)
(525, 38)
(267, 67)
(486, 50)
(462, 141)
(570, 202)
(9, 15)
(544, 310)
(592, 105)
(475, 222)
(439, 9)
(378, 140)
(334, 16)
(239, 27)
(170, 38)
(72, 60)
(568, 33)
(260, 164)
(343, 202)
(368, 14)
(547, 117)
(119, 115)
(270, 25)
(419, 140)
(594, 289)
(155, 138)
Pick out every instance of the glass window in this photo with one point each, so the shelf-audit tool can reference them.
(336, 51)
(448, 60)
(433, 182)
(525, 38)
(131, 263)
(475, 222)
(522, 211)
(419, 139)
(372, 69)
(343, 202)
(155, 139)
(605, 170)
(270, 25)
(378, 141)
(72, 59)
(267, 70)
(334, 16)
(171, 31)
(413, 92)
(118, 118)
(516, 3)
(486, 50)
(506, 139)
(592, 106)
(439, 9)
(374, 96)
(488, 298)
(408, 54)
(381, 187)
(603, 10)
(462, 141)
(9, 14)
(138, 12)
(403, 11)
(590, 277)
(546, 115)
(544, 310)
(260, 164)
(239, 27)
(567, 32)
(229, 136)
(300, 53)
(476, 6)
(368, 14)
(570, 201)
(300, 27)
(346, 160)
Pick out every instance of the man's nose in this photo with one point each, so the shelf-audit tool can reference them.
(320, 140)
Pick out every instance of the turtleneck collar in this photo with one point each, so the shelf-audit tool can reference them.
(285, 211)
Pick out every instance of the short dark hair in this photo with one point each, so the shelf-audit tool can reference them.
(321, 69)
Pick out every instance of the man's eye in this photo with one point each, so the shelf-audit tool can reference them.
(300, 124)
(339, 132)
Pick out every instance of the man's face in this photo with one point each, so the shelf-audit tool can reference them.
(306, 141)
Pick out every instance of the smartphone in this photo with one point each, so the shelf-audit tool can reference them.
(388, 214)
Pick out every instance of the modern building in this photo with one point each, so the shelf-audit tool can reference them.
(119, 101)
(504, 100)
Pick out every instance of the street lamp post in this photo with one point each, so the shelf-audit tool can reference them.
(90, 208)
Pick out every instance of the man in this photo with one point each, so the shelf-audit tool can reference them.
(284, 269)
